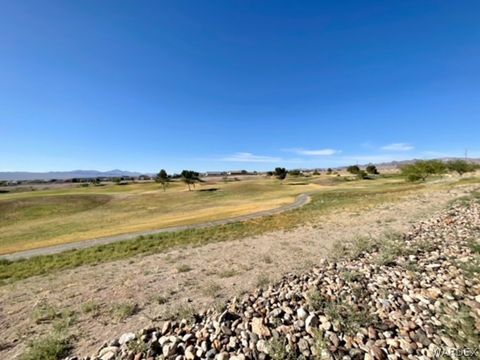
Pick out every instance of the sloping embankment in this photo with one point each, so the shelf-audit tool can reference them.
(414, 296)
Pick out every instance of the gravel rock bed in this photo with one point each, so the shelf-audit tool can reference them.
(405, 297)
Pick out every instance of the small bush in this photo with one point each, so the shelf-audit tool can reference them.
(124, 310)
(212, 289)
(263, 280)
(161, 299)
(45, 313)
(277, 349)
(227, 273)
(267, 259)
(92, 308)
(182, 311)
(317, 300)
(51, 347)
(183, 268)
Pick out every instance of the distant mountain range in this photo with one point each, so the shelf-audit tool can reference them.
(63, 175)
(394, 164)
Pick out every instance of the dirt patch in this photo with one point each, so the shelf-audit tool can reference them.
(182, 279)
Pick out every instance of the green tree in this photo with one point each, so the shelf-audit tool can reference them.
(422, 169)
(295, 172)
(353, 169)
(329, 171)
(190, 178)
(460, 166)
(372, 169)
(280, 173)
(163, 178)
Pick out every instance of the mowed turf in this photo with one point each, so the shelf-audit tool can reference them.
(48, 217)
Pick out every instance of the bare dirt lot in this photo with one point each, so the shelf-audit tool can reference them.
(98, 303)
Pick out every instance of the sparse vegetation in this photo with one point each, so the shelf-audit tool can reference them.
(317, 300)
(183, 268)
(320, 346)
(51, 347)
(161, 300)
(45, 313)
(267, 259)
(181, 311)
(263, 280)
(91, 308)
(212, 289)
(278, 350)
(123, 311)
(349, 320)
(227, 273)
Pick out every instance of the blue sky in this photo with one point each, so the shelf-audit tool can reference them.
(207, 85)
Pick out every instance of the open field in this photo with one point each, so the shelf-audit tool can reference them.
(65, 214)
(42, 218)
(332, 194)
(124, 292)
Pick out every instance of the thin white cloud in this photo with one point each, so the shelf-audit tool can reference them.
(249, 157)
(319, 152)
(398, 147)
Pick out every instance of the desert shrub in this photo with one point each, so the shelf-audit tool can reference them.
(51, 347)
(183, 268)
(277, 349)
(123, 311)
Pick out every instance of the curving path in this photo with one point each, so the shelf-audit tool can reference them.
(300, 201)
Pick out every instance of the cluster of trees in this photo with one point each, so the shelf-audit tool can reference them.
(189, 177)
(420, 170)
(363, 174)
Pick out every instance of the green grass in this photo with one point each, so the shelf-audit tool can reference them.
(359, 195)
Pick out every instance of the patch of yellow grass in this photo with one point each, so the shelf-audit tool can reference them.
(132, 208)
